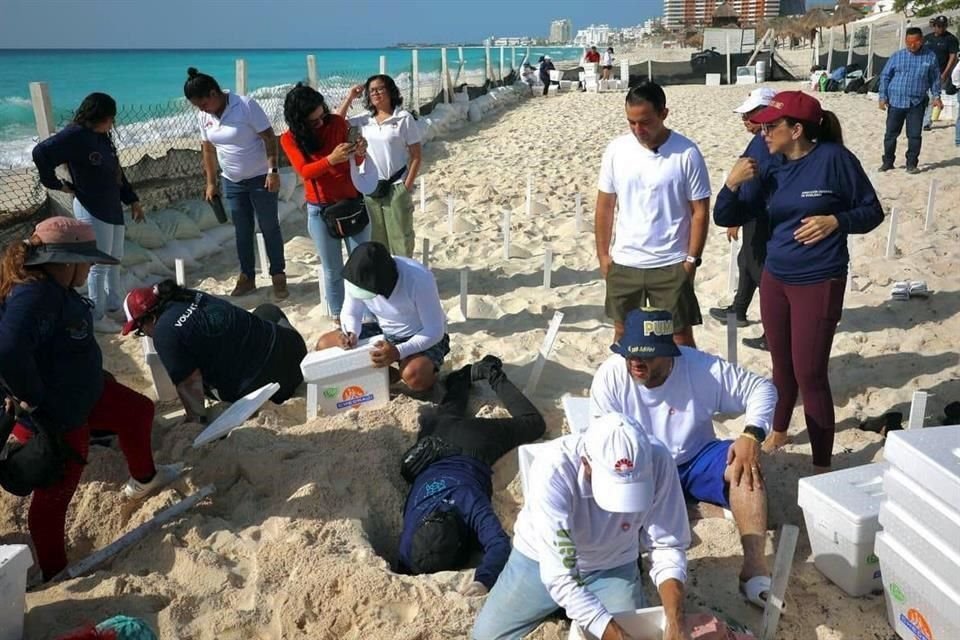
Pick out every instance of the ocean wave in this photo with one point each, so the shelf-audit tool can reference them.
(16, 101)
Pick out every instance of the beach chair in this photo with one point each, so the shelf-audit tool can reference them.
(554, 81)
(577, 411)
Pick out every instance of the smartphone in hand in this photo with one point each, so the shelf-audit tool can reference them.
(218, 209)
(353, 135)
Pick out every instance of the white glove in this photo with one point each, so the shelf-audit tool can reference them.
(473, 590)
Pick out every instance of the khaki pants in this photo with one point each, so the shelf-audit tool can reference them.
(391, 220)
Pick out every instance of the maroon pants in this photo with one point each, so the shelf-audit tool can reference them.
(799, 322)
(120, 410)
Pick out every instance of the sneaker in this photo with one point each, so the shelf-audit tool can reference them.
(927, 127)
(885, 167)
(166, 473)
(756, 343)
(106, 325)
(245, 285)
(280, 291)
(913, 170)
(482, 370)
(720, 315)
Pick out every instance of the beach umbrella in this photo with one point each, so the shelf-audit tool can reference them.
(815, 20)
(843, 15)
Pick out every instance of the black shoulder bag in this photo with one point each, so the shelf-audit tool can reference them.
(383, 186)
(36, 464)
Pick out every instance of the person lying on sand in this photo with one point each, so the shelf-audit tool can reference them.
(594, 498)
(674, 399)
(448, 511)
(402, 296)
(211, 348)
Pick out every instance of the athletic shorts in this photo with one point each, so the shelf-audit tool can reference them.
(668, 288)
(436, 353)
(702, 476)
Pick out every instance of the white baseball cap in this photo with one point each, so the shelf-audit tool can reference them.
(621, 464)
(761, 97)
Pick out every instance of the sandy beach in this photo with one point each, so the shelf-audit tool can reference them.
(298, 540)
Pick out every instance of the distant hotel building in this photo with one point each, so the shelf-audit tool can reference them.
(677, 13)
(561, 32)
(593, 35)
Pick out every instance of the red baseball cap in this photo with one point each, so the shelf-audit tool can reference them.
(138, 303)
(791, 104)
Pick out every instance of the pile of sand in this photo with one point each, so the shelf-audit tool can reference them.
(298, 540)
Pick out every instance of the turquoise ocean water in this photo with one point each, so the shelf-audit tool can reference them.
(152, 80)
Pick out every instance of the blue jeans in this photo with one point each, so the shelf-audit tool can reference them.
(103, 283)
(248, 199)
(896, 118)
(519, 602)
(956, 139)
(330, 250)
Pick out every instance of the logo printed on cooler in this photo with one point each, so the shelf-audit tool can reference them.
(623, 465)
(872, 559)
(917, 624)
(330, 392)
(353, 396)
(897, 593)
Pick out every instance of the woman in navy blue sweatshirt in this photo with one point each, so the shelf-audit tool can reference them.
(814, 198)
(100, 190)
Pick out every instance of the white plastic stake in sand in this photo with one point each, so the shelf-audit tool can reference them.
(179, 270)
(650, 70)
(892, 235)
(578, 212)
(733, 270)
(450, 206)
(547, 267)
(528, 206)
(463, 292)
(132, 537)
(42, 109)
(930, 197)
(506, 234)
(383, 65)
(732, 337)
(321, 284)
(425, 251)
(262, 252)
(782, 565)
(918, 409)
(312, 400)
(544, 354)
(241, 86)
(423, 194)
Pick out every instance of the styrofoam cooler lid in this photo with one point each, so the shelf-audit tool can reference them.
(855, 494)
(335, 361)
(526, 454)
(931, 509)
(577, 411)
(930, 456)
(236, 414)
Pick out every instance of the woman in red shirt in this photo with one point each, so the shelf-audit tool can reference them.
(317, 147)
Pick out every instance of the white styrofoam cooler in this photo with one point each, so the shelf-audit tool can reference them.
(921, 605)
(932, 455)
(900, 523)
(346, 379)
(647, 623)
(841, 511)
(15, 559)
(577, 411)
(526, 454)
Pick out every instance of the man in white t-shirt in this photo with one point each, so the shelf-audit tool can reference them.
(659, 179)
(674, 392)
(402, 296)
(594, 498)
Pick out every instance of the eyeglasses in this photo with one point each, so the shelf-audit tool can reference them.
(373, 90)
(767, 127)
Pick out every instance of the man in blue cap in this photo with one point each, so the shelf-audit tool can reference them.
(674, 392)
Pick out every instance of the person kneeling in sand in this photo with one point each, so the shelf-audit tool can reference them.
(594, 497)
(448, 511)
(402, 295)
(209, 347)
(675, 398)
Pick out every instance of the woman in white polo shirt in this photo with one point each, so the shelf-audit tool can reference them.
(237, 133)
(393, 141)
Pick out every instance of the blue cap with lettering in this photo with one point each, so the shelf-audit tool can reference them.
(647, 333)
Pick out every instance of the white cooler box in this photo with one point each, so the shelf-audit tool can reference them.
(648, 624)
(932, 456)
(900, 523)
(920, 603)
(345, 379)
(15, 560)
(525, 456)
(841, 512)
(922, 506)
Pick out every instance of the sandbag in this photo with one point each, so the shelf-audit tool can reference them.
(134, 254)
(200, 212)
(146, 234)
(175, 224)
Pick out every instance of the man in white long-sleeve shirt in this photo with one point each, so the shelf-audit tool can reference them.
(674, 392)
(593, 498)
(402, 295)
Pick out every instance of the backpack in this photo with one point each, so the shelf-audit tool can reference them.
(855, 85)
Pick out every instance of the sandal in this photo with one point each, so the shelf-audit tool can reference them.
(756, 590)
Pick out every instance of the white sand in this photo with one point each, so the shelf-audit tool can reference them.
(288, 546)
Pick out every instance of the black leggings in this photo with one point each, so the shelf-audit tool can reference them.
(486, 439)
(283, 363)
(750, 260)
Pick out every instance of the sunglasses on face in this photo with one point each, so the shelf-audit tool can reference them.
(766, 128)
(373, 90)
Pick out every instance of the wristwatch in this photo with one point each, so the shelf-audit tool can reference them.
(757, 433)
(694, 260)
(273, 170)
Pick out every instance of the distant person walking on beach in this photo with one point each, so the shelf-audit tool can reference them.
(546, 66)
(237, 134)
(51, 371)
(753, 248)
(909, 75)
(606, 64)
(815, 197)
(100, 190)
(393, 141)
(318, 148)
(946, 46)
(660, 180)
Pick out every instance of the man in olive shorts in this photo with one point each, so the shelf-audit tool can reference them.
(660, 180)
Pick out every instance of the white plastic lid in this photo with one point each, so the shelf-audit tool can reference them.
(855, 493)
(335, 361)
(930, 456)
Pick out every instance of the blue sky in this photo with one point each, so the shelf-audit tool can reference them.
(286, 24)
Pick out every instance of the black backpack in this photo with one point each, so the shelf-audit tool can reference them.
(36, 464)
(855, 85)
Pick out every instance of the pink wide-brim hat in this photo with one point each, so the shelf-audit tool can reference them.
(66, 240)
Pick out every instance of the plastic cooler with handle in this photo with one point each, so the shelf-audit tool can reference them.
(15, 560)
(346, 379)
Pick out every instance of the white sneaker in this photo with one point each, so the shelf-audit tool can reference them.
(106, 325)
(166, 473)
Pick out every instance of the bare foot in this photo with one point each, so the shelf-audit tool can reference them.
(775, 440)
